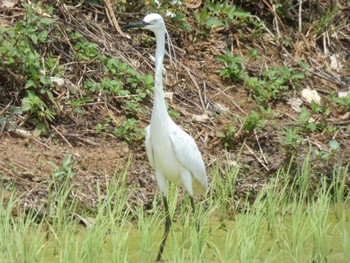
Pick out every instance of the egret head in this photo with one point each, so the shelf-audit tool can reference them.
(153, 22)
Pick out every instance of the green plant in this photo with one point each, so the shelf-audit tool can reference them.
(314, 120)
(234, 69)
(341, 104)
(228, 135)
(216, 14)
(302, 226)
(273, 83)
(40, 111)
(129, 130)
(291, 140)
(254, 121)
(58, 207)
(326, 23)
(22, 62)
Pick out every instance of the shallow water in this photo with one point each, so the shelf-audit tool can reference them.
(269, 244)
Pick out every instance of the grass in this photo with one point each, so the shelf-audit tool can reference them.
(286, 222)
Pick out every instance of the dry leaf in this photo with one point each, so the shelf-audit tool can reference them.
(344, 92)
(169, 96)
(193, 4)
(295, 103)
(335, 64)
(8, 3)
(221, 108)
(346, 116)
(57, 80)
(201, 118)
(88, 222)
(310, 95)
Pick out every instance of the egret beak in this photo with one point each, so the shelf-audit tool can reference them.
(139, 24)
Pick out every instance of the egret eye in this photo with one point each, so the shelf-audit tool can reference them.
(153, 22)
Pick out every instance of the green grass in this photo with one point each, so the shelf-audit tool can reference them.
(287, 222)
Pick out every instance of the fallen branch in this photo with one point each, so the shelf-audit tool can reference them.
(114, 22)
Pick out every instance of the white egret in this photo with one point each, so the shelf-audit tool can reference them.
(172, 153)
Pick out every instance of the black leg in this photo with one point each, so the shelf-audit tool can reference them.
(192, 204)
(166, 229)
(193, 210)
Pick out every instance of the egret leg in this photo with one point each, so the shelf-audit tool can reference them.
(194, 210)
(192, 204)
(166, 228)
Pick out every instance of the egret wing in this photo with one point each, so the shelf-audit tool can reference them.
(149, 149)
(187, 152)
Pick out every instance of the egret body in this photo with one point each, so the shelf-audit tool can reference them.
(172, 153)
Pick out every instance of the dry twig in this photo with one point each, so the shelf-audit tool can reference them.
(114, 21)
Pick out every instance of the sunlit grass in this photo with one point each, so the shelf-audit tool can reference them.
(287, 222)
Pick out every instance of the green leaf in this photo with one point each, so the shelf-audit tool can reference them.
(34, 38)
(214, 22)
(29, 83)
(297, 75)
(46, 21)
(45, 80)
(43, 36)
(238, 13)
(26, 105)
(39, 129)
(186, 27)
(312, 126)
(304, 115)
(334, 145)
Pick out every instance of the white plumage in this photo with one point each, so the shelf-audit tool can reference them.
(172, 153)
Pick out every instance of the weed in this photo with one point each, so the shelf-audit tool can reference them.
(216, 14)
(326, 22)
(285, 223)
(233, 69)
(228, 135)
(21, 63)
(342, 104)
(129, 131)
(273, 83)
(253, 122)
(59, 188)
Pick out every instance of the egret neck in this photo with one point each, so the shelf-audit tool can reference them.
(159, 106)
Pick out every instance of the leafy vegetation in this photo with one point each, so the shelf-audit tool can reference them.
(22, 63)
(255, 121)
(215, 15)
(285, 222)
(271, 85)
(36, 72)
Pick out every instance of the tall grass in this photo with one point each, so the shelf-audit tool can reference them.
(287, 222)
